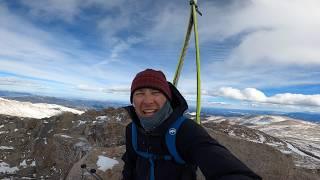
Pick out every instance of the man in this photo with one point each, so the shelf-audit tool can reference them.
(156, 105)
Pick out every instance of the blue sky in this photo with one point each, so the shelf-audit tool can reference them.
(255, 54)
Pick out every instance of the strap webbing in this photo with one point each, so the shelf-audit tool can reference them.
(192, 23)
(150, 156)
(171, 140)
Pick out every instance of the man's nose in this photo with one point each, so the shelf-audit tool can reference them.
(148, 98)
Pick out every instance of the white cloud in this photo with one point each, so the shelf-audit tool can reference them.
(254, 95)
(18, 82)
(295, 99)
(48, 10)
(28, 51)
(51, 9)
(277, 31)
(268, 43)
(232, 93)
(169, 25)
(112, 89)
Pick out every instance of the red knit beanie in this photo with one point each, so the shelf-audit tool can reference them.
(150, 78)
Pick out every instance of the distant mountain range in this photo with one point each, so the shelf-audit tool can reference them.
(288, 135)
(32, 110)
(306, 116)
(98, 105)
(72, 103)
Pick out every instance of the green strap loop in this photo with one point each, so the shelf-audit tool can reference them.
(183, 51)
(192, 22)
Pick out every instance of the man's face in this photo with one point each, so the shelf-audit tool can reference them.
(147, 101)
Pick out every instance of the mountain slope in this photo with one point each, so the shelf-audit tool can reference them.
(32, 110)
(299, 138)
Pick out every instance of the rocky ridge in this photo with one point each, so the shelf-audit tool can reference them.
(56, 147)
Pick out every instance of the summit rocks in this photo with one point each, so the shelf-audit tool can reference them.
(56, 147)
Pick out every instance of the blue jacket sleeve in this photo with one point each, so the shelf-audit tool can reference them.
(216, 162)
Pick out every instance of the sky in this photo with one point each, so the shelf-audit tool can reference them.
(255, 54)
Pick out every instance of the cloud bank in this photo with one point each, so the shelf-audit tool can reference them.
(254, 95)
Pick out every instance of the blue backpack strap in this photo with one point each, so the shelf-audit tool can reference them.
(170, 142)
(171, 139)
(134, 140)
(150, 156)
(135, 143)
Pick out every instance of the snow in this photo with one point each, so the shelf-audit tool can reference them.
(33, 163)
(262, 138)
(1, 126)
(105, 163)
(32, 110)
(299, 138)
(5, 168)
(231, 133)
(102, 118)
(293, 149)
(216, 119)
(192, 113)
(23, 164)
(6, 147)
(65, 136)
(118, 118)
(262, 120)
(81, 122)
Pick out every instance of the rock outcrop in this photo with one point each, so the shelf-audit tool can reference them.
(56, 147)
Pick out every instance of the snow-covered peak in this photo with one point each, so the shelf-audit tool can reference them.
(32, 110)
(263, 119)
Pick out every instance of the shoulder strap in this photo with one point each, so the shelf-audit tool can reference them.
(135, 142)
(150, 156)
(134, 136)
(171, 139)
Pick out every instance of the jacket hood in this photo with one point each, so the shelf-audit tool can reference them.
(179, 106)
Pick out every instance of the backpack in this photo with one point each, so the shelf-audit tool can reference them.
(170, 139)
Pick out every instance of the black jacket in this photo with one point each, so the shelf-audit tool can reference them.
(194, 145)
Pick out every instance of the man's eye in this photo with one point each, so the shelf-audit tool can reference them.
(138, 93)
(156, 92)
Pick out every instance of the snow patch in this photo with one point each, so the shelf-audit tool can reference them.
(262, 138)
(5, 168)
(81, 122)
(23, 164)
(32, 110)
(293, 149)
(6, 147)
(101, 118)
(33, 163)
(105, 163)
(118, 118)
(231, 133)
(65, 136)
(192, 113)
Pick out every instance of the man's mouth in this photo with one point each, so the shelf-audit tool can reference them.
(149, 112)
